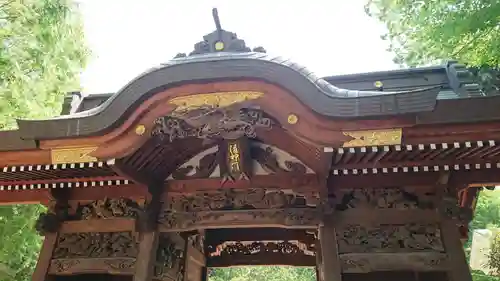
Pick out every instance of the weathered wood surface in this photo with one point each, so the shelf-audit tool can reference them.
(104, 225)
(370, 262)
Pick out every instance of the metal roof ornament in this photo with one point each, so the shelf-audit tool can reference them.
(220, 40)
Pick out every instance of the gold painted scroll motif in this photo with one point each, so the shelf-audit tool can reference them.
(72, 155)
(212, 100)
(373, 138)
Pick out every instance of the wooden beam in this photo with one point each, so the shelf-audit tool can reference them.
(27, 157)
(32, 196)
(43, 263)
(385, 216)
(218, 236)
(261, 259)
(291, 181)
(98, 225)
(383, 180)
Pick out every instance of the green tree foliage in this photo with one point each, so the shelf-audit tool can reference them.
(430, 31)
(264, 273)
(427, 31)
(494, 255)
(42, 52)
(41, 55)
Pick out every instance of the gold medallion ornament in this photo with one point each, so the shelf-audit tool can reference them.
(378, 84)
(140, 130)
(292, 119)
(219, 46)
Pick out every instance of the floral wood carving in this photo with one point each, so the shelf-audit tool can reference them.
(108, 208)
(184, 221)
(169, 258)
(241, 199)
(96, 245)
(212, 124)
(452, 210)
(197, 241)
(120, 264)
(389, 238)
(60, 266)
(387, 198)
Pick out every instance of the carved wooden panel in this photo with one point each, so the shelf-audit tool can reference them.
(227, 123)
(197, 241)
(102, 252)
(261, 253)
(384, 198)
(390, 238)
(241, 199)
(184, 221)
(363, 263)
(169, 257)
(108, 208)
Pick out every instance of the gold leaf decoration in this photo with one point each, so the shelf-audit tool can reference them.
(212, 100)
(72, 155)
(373, 138)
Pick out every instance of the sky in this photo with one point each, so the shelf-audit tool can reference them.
(128, 37)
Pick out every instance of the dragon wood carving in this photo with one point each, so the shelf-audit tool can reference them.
(218, 123)
(262, 247)
(230, 199)
(169, 258)
(389, 238)
(186, 221)
(387, 198)
(108, 208)
(89, 252)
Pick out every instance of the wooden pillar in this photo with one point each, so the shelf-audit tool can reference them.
(148, 228)
(48, 225)
(330, 269)
(44, 258)
(319, 261)
(144, 266)
(458, 266)
(329, 252)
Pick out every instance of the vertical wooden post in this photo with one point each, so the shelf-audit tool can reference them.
(329, 252)
(458, 266)
(149, 235)
(330, 268)
(144, 266)
(43, 263)
(319, 261)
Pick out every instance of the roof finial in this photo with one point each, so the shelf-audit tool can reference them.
(220, 41)
(215, 15)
